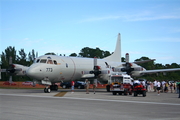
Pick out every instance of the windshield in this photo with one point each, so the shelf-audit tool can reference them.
(117, 79)
(43, 60)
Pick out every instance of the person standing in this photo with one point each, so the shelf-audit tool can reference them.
(178, 85)
(94, 85)
(155, 85)
(163, 86)
(171, 87)
(166, 87)
(158, 87)
(72, 86)
(87, 86)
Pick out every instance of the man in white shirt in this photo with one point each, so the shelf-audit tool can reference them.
(155, 85)
(158, 87)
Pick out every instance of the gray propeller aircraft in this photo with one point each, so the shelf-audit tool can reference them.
(51, 69)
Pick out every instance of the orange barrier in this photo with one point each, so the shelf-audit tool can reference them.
(5, 84)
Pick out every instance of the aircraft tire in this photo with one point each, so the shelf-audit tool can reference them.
(45, 90)
(48, 90)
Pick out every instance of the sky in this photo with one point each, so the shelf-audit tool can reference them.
(148, 28)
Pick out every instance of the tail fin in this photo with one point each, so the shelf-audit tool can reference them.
(116, 56)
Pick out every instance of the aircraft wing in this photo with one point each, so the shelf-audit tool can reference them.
(143, 61)
(160, 70)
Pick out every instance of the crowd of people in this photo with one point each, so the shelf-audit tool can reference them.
(155, 86)
(163, 86)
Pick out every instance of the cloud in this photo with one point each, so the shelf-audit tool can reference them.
(135, 16)
(92, 19)
(162, 39)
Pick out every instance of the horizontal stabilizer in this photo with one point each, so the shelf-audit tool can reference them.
(143, 61)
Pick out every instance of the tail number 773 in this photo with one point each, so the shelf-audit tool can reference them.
(49, 69)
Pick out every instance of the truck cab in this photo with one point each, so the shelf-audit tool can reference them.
(116, 79)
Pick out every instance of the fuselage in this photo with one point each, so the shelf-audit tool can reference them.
(59, 68)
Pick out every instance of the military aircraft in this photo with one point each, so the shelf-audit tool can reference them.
(50, 69)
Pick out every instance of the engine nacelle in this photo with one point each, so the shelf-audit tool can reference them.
(20, 70)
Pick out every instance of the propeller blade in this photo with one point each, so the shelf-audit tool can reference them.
(95, 61)
(127, 57)
(10, 60)
(10, 79)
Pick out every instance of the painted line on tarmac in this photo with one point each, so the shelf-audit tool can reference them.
(90, 99)
(60, 94)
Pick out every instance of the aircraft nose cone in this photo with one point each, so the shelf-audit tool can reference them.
(34, 73)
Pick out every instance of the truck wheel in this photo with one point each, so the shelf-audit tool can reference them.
(135, 94)
(108, 88)
(125, 92)
(144, 93)
(114, 93)
(120, 93)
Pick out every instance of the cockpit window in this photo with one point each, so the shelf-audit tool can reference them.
(55, 62)
(43, 60)
(37, 60)
(49, 62)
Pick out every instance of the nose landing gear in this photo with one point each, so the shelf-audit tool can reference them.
(47, 89)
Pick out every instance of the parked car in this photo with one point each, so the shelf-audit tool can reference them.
(78, 84)
(8, 83)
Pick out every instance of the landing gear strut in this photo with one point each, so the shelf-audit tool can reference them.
(47, 89)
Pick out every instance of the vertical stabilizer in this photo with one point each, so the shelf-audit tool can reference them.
(116, 56)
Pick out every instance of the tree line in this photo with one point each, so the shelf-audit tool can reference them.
(20, 57)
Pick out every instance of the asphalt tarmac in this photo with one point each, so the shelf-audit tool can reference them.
(28, 104)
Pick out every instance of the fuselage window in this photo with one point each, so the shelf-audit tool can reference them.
(49, 62)
(55, 62)
(43, 60)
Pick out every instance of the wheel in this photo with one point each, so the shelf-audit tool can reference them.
(79, 87)
(108, 88)
(120, 93)
(125, 92)
(135, 94)
(45, 90)
(114, 93)
(48, 90)
(144, 93)
(64, 86)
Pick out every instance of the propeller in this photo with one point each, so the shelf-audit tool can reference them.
(128, 66)
(11, 70)
(97, 69)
